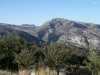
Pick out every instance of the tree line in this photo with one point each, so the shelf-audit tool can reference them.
(17, 54)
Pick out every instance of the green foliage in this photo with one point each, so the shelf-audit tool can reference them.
(56, 55)
(25, 59)
(94, 62)
(77, 56)
(8, 47)
(16, 53)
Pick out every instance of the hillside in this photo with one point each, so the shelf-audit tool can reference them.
(24, 27)
(73, 33)
(7, 29)
(58, 30)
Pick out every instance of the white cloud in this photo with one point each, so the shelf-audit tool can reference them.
(95, 3)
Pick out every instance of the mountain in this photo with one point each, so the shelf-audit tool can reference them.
(72, 32)
(7, 29)
(24, 27)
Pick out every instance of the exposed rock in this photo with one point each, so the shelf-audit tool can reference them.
(7, 29)
(63, 30)
(72, 32)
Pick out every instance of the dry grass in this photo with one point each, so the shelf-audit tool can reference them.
(24, 72)
(5, 73)
(40, 71)
(46, 71)
(21, 72)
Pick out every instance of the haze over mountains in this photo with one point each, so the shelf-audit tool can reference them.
(59, 30)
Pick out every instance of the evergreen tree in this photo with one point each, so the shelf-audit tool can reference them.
(8, 46)
(56, 55)
(93, 63)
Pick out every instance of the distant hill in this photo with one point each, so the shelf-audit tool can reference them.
(24, 27)
(7, 29)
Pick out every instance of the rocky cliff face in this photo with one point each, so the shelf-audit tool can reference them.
(72, 32)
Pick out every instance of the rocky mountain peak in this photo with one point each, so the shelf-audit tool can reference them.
(72, 32)
(63, 30)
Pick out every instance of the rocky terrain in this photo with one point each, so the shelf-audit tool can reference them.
(24, 27)
(63, 30)
(73, 33)
(18, 31)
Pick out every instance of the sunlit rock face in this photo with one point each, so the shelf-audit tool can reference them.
(72, 32)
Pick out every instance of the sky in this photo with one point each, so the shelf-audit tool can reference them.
(39, 11)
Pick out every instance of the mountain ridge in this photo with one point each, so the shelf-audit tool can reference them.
(7, 30)
(74, 33)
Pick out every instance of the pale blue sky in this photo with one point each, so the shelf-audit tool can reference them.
(39, 11)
